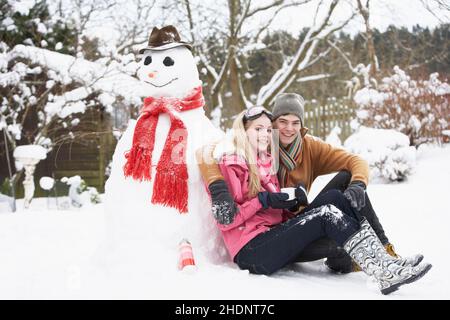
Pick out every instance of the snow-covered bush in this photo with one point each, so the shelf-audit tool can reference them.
(420, 109)
(333, 137)
(387, 152)
(79, 193)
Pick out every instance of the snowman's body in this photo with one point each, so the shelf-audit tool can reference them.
(133, 220)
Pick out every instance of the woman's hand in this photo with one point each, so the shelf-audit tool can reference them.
(223, 207)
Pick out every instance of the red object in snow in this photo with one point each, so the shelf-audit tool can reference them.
(186, 255)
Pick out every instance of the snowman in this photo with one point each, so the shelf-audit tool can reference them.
(155, 196)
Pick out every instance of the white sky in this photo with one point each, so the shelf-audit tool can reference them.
(382, 14)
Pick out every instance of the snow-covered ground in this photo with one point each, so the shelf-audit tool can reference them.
(53, 254)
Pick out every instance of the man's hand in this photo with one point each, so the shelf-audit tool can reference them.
(355, 193)
(223, 207)
(276, 200)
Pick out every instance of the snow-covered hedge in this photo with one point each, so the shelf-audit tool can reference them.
(387, 151)
(420, 109)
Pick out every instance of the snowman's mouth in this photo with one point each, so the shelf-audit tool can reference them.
(163, 85)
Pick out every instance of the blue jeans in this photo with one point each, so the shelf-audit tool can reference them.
(282, 244)
(337, 258)
(340, 182)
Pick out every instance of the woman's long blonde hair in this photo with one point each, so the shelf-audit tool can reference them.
(243, 149)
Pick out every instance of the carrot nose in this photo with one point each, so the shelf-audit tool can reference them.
(152, 74)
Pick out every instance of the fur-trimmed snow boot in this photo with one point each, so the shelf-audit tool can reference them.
(406, 261)
(346, 264)
(367, 251)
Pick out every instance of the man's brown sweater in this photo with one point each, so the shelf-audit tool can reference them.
(319, 158)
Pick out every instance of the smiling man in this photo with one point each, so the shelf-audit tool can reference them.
(302, 159)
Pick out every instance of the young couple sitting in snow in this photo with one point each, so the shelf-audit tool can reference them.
(263, 228)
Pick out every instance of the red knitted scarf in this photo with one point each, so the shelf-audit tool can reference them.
(170, 187)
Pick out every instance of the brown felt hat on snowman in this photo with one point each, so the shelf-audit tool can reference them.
(163, 39)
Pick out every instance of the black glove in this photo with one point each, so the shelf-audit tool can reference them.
(355, 193)
(276, 200)
(223, 207)
(301, 196)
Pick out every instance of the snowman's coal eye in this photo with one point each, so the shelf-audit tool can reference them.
(168, 61)
(148, 60)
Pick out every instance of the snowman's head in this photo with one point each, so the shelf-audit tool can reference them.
(172, 72)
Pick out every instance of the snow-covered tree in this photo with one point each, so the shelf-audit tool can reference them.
(26, 86)
(45, 92)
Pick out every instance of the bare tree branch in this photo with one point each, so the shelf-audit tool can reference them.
(365, 13)
(134, 30)
(263, 8)
(221, 77)
(272, 18)
(442, 6)
(343, 55)
(319, 57)
(314, 77)
(283, 78)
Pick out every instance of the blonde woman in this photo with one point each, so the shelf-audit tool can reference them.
(264, 236)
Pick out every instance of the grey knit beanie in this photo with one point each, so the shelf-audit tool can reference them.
(289, 103)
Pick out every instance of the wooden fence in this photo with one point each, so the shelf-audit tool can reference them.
(321, 119)
(87, 157)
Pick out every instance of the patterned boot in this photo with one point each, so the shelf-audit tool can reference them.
(367, 251)
(411, 261)
(407, 261)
